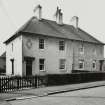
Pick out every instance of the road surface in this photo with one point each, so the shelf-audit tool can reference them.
(92, 96)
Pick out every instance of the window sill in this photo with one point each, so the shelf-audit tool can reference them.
(42, 70)
(81, 69)
(62, 69)
(41, 48)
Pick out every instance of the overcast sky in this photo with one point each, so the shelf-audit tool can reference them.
(14, 13)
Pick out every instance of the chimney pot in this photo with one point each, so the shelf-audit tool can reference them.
(38, 9)
(59, 16)
(74, 21)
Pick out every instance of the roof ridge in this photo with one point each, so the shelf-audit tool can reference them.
(51, 28)
(58, 26)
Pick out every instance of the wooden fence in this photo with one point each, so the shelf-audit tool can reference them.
(15, 83)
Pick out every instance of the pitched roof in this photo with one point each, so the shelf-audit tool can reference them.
(3, 55)
(51, 28)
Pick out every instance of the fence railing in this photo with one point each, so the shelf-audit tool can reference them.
(15, 83)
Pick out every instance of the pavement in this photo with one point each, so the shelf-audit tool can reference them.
(45, 91)
(90, 96)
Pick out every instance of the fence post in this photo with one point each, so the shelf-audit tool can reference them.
(0, 85)
(17, 82)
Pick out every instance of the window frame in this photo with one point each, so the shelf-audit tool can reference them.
(81, 51)
(81, 61)
(41, 43)
(94, 51)
(94, 64)
(12, 47)
(41, 64)
(12, 64)
(61, 45)
(62, 64)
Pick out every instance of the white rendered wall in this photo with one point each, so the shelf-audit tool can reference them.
(52, 55)
(15, 54)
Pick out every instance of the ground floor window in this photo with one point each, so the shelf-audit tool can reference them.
(41, 64)
(81, 64)
(12, 61)
(62, 64)
(94, 64)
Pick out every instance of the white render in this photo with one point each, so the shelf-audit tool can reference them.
(16, 54)
(51, 54)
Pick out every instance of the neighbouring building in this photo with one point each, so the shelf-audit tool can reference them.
(3, 63)
(103, 67)
(44, 46)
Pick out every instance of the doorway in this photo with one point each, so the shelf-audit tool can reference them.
(28, 67)
(101, 64)
(29, 63)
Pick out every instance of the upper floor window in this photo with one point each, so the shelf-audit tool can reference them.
(61, 45)
(94, 64)
(62, 64)
(41, 43)
(81, 49)
(81, 64)
(12, 47)
(94, 51)
(41, 64)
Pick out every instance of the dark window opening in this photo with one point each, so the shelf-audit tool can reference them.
(41, 43)
(62, 64)
(12, 61)
(94, 64)
(81, 64)
(61, 45)
(41, 64)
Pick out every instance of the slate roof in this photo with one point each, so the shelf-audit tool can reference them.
(51, 28)
(3, 55)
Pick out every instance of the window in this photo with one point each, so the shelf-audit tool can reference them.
(61, 45)
(94, 64)
(12, 61)
(41, 43)
(41, 64)
(12, 47)
(81, 64)
(81, 50)
(62, 64)
(94, 51)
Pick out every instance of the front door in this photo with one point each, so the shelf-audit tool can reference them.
(28, 67)
(101, 64)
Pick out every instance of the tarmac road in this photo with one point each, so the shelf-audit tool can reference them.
(91, 96)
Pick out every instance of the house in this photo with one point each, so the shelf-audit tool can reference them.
(103, 67)
(3, 63)
(44, 46)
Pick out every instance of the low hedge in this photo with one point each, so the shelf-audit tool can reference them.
(61, 79)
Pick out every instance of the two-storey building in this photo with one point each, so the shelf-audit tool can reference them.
(44, 46)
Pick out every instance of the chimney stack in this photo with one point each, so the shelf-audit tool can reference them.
(38, 9)
(59, 16)
(74, 21)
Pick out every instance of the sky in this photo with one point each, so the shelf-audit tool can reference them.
(14, 13)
